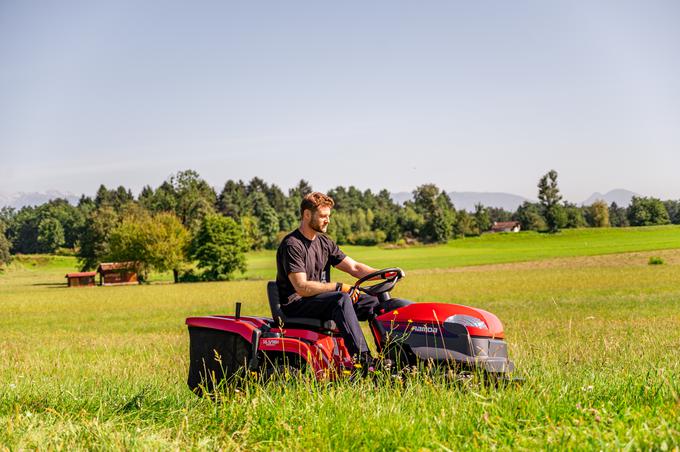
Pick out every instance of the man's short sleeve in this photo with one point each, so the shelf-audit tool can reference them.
(335, 256)
(294, 258)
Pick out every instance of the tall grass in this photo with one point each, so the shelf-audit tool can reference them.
(596, 339)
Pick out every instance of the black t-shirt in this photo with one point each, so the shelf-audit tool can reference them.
(299, 254)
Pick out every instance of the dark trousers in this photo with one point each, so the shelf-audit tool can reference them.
(337, 306)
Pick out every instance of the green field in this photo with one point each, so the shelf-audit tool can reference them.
(593, 329)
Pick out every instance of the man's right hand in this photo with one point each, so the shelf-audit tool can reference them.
(350, 290)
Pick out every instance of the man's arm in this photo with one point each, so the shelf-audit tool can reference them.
(354, 268)
(306, 288)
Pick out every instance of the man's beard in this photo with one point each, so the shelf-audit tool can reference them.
(317, 226)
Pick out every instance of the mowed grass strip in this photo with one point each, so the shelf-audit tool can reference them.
(499, 248)
(596, 339)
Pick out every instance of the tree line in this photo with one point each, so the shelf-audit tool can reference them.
(185, 226)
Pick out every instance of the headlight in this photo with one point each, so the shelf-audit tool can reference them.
(466, 320)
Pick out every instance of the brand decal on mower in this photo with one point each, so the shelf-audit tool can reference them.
(270, 342)
(424, 329)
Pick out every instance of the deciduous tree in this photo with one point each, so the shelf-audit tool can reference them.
(598, 214)
(482, 219)
(647, 211)
(219, 247)
(158, 242)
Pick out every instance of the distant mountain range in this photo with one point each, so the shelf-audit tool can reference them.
(621, 197)
(21, 199)
(461, 199)
(467, 199)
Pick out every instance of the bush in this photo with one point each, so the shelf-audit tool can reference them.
(654, 260)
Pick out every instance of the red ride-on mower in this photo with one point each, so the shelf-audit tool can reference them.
(226, 347)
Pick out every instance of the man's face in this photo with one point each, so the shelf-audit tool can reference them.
(319, 220)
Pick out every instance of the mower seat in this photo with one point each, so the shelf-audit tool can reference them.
(280, 319)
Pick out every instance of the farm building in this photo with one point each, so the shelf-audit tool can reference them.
(505, 226)
(117, 273)
(80, 279)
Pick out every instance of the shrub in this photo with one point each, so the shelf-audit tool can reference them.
(654, 260)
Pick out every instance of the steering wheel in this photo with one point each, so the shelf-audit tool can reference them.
(389, 276)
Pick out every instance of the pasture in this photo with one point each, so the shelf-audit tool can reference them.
(592, 327)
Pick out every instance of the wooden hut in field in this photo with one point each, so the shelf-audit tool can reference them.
(117, 273)
(81, 279)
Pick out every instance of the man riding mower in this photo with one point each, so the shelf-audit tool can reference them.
(224, 348)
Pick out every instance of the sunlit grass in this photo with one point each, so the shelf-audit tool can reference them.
(597, 340)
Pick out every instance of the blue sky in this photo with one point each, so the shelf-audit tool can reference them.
(473, 96)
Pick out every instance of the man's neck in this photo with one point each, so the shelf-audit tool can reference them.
(308, 232)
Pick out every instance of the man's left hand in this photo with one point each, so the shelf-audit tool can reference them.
(350, 290)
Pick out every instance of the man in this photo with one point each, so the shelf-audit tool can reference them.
(303, 263)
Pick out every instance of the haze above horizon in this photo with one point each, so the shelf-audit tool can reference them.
(473, 97)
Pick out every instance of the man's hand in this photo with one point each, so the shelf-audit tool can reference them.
(350, 290)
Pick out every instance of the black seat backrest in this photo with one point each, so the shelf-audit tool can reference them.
(274, 303)
(280, 318)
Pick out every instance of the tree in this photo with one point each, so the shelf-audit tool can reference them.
(673, 209)
(437, 210)
(219, 247)
(482, 219)
(301, 190)
(549, 197)
(529, 217)
(498, 214)
(410, 222)
(93, 245)
(194, 197)
(268, 220)
(573, 216)
(618, 216)
(156, 242)
(113, 198)
(232, 200)
(597, 214)
(644, 211)
(50, 235)
(5, 256)
(340, 227)
(464, 225)
(251, 232)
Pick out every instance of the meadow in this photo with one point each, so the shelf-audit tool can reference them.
(592, 327)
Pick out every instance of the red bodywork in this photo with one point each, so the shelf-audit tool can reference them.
(326, 354)
(435, 313)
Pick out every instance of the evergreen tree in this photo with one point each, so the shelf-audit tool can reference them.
(549, 198)
(437, 211)
(232, 200)
(194, 198)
